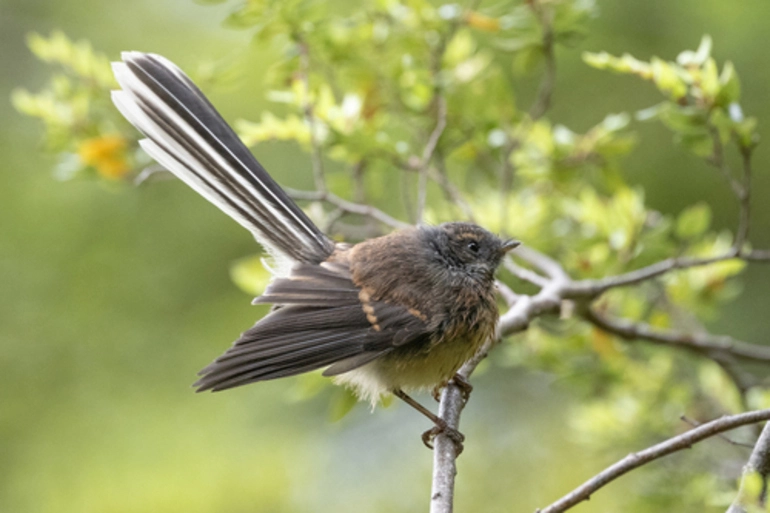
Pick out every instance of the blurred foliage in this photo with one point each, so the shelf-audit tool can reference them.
(374, 79)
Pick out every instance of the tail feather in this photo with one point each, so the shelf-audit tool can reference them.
(187, 136)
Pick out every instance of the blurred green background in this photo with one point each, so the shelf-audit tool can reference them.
(113, 299)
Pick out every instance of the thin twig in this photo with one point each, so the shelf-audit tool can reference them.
(525, 274)
(636, 460)
(359, 190)
(694, 423)
(347, 206)
(453, 194)
(545, 91)
(427, 155)
(718, 160)
(593, 288)
(308, 109)
(758, 255)
(759, 463)
(704, 343)
(744, 221)
(508, 295)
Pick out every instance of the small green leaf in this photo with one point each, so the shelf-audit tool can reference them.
(709, 80)
(730, 86)
(666, 77)
(250, 275)
(341, 404)
(693, 221)
(697, 58)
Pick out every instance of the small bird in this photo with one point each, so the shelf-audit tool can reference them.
(388, 315)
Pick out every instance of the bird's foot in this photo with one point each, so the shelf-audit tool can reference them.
(460, 382)
(464, 385)
(440, 428)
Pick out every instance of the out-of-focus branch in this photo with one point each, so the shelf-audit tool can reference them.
(453, 194)
(319, 177)
(508, 295)
(593, 288)
(347, 206)
(703, 343)
(545, 90)
(427, 155)
(636, 460)
(525, 274)
(695, 423)
(758, 255)
(741, 187)
(744, 221)
(759, 464)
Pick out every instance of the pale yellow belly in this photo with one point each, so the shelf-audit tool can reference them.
(409, 372)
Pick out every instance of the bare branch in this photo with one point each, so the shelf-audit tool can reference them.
(508, 295)
(759, 463)
(347, 206)
(593, 288)
(636, 460)
(758, 255)
(359, 191)
(453, 194)
(744, 221)
(525, 274)
(703, 343)
(695, 423)
(546, 264)
(545, 91)
(427, 155)
(308, 108)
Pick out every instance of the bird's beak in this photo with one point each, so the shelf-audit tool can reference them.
(509, 245)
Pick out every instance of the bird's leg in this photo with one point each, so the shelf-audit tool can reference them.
(440, 424)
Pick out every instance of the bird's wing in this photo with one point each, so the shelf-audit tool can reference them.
(187, 136)
(321, 321)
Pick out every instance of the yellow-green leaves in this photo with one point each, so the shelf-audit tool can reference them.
(701, 101)
(693, 221)
(81, 125)
(250, 274)
(77, 57)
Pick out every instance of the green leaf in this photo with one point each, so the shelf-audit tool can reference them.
(626, 64)
(699, 57)
(250, 274)
(730, 86)
(693, 221)
(341, 404)
(667, 78)
(709, 81)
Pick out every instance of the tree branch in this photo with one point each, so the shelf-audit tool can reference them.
(307, 107)
(347, 206)
(593, 288)
(427, 155)
(759, 464)
(545, 91)
(636, 460)
(703, 343)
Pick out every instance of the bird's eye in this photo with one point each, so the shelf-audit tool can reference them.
(473, 246)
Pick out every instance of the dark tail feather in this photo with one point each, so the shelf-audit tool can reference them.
(188, 137)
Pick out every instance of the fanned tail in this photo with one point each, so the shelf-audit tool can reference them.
(187, 136)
